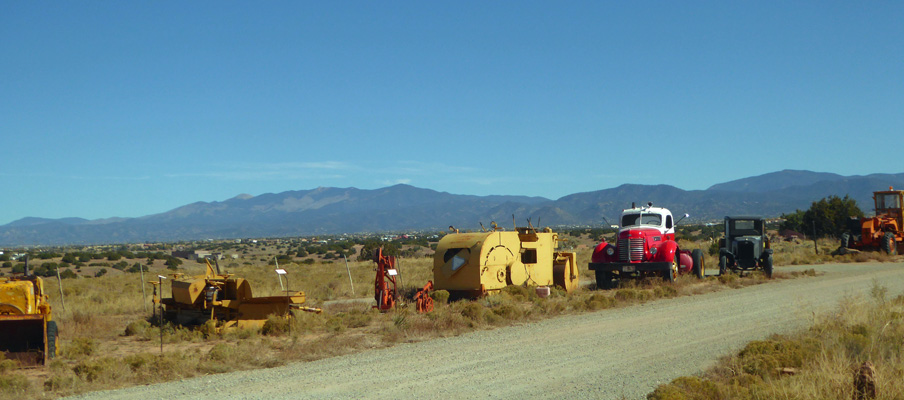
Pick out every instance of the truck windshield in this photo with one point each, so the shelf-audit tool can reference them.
(641, 219)
(887, 201)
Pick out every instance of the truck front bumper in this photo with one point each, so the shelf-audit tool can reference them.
(630, 268)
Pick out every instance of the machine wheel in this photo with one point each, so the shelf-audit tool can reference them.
(672, 273)
(888, 244)
(699, 268)
(51, 339)
(723, 265)
(767, 266)
(561, 276)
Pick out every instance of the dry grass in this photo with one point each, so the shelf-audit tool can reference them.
(825, 358)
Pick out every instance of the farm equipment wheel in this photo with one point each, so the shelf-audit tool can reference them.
(561, 276)
(888, 244)
(605, 280)
(767, 266)
(51, 339)
(672, 273)
(723, 265)
(845, 240)
(699, 268)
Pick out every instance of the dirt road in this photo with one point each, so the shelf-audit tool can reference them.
(608, 354)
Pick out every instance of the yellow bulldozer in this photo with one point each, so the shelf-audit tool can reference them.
(224, 299)
(480, 263)
(27, 332)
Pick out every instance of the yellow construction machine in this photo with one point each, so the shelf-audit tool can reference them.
(224, 299)
(27, 333)
(480, 263)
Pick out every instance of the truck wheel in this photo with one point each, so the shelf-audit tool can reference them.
(845, 240)
(604, 280)
(51, 339)
(699, 268)
(723, 265)
(672, 273)
(767, 266)
(888, 244)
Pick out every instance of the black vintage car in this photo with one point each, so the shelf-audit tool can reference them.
(745, 246)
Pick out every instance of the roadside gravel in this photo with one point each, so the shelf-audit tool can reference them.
(610, 354)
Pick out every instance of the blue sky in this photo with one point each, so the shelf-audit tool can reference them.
(133, 108)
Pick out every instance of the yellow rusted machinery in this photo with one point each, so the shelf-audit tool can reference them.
(225, 299)
(479, 263)
(27, 333)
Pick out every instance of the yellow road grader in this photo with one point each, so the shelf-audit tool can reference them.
(27, 332)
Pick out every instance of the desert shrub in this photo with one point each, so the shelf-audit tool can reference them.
(509, 311)
(276, 325)
(473, 311)
(136, 328)
(14, 385)
(687, 387)
(80, 347)
(440, 296)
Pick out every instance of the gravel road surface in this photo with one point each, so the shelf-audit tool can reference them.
(610, 354)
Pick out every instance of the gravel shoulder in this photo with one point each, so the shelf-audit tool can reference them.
(609, 354)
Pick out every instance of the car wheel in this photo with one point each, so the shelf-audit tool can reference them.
(699, 268)
(767, 266)
(723, 265)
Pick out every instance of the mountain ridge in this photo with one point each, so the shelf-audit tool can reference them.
(328, 210)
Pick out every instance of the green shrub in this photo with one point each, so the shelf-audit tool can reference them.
(137, 328)
(440, 296)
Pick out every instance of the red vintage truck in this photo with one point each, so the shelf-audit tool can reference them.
(645, 247)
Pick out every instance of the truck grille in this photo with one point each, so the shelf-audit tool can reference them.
(630, 249)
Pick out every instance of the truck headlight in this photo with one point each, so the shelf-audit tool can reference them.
(610, 250)
(652, 250)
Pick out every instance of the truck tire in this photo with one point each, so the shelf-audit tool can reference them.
(845, 240)
(888, 244)
(723, 265)
(672, 274)
(51, 339)
(767, 266)
(604, 280)
(699, 268)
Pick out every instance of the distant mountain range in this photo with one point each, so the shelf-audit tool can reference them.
(406, 208)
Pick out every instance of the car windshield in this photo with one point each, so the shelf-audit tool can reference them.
(641, 219)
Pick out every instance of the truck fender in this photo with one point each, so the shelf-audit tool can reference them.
(768, 251)
(666, 251)
(599, 253)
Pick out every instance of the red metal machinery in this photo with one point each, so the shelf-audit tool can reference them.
(385, 283)
(423, 301)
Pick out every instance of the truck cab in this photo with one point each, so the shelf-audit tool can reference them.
(645, 246)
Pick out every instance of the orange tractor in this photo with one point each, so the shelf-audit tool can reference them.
(883, 231)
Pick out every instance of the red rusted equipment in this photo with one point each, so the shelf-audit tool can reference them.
(385, 283)
(423, 301)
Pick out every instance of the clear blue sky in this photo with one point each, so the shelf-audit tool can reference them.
(131, 108)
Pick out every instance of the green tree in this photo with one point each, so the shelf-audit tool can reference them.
(828, 216)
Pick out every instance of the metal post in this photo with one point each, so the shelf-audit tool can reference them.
(815, 247)
(60, 283)
(144, 294)
(160, 318)
(349, 274)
